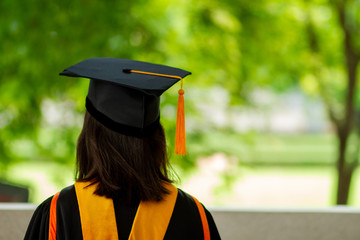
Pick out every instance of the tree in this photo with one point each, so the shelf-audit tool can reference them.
(235, 45)
(40, 39)
(343, 109)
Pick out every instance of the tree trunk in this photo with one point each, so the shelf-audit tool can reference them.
(344, 184)
(344, 175)
(344, 123)
(346, 126)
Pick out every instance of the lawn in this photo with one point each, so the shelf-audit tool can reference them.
(270, 149)
(247, 170)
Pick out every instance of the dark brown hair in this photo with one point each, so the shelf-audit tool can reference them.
(123, 166)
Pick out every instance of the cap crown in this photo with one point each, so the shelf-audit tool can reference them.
(125, 101)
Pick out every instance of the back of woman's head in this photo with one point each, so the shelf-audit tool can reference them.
(123, 166)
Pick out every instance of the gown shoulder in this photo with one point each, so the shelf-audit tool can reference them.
(38, 227)
(185, 222)
(39, 224)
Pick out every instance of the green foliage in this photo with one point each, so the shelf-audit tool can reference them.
(235, 45)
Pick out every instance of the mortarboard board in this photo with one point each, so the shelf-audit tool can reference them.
(124, 95)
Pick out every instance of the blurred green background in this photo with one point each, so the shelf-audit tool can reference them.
(271, 107)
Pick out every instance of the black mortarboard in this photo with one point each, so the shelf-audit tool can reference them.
(124, 94)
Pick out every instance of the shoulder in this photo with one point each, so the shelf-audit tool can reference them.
(44, 207)
(185, 198)
(186, 220)
(39, 224)
(67, 194)
(67, 202)
(66, 208)
(186, 205)
(190, 200)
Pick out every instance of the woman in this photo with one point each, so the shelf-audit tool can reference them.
(123, 190)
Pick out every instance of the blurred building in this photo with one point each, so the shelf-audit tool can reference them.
(266, 111)
(13, 193)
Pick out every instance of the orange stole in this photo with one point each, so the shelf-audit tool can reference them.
(152, 218)
(52, 217)
(98, 217)
(204, 221)
(96, 213)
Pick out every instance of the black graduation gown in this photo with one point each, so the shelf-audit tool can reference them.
(185, 222)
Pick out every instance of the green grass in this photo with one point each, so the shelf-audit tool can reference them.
(295, 149)
(269, 149)
(289, 156)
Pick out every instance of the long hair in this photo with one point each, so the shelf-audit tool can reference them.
(122, 166)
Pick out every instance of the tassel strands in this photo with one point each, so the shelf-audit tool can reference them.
(180, 136)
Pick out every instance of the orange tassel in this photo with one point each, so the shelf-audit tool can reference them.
(180, 136)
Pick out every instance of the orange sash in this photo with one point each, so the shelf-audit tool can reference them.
(155, 212)
(103, 226)
(203, 219)
(52, 217)
(97, 213)
(98, 219)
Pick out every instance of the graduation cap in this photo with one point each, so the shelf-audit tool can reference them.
(124, 95)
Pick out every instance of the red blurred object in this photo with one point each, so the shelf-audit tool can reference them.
(13, 193)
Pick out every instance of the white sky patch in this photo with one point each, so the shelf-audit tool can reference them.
(288, 112)
(60, 114)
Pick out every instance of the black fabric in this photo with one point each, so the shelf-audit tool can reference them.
(212, 226)
(39, 224)
(185, 222)
(125, 102)
(68, 217)
(112, 70)
(124, 212)
(123, 105)
(118, 127)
